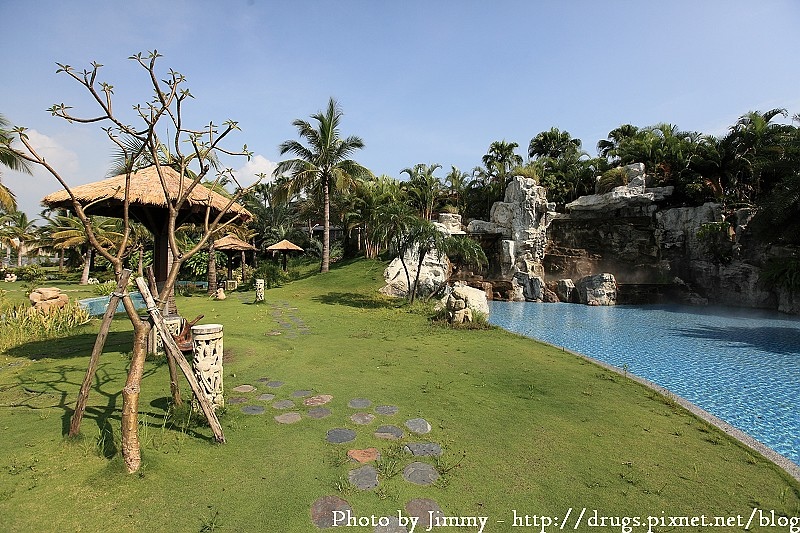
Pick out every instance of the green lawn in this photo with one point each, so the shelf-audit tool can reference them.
(524, 427)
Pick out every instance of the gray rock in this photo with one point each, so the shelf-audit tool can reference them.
(288, 418)
(340, 435)
(422, 449)
(274, 384)
(420, 473)
(301, 393)
(387, 410)
(359, 403)
(391, 525)
(362, 419)
(283, 404)
(364, 478)
(319, 412)
(600, 289)
(389, 432)
(425, 510)
(566, 291)
(253, 410)
(266, 397)
(322, 510)
(418, 425)
(244, 388)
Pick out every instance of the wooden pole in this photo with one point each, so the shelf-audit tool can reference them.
(99, 343)
(174, 352)
(174, 388)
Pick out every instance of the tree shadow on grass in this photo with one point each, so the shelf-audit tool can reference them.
(363, 301)
(72, 346)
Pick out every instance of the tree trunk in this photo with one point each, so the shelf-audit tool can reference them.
(61, 260)
(100, 341)
(326, 236)
(243, 265)
(140, 266)
(212, 269)
(131, 448)
(87, 261)
(416, 278)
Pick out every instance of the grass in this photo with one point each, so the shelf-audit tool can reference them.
(523, 426)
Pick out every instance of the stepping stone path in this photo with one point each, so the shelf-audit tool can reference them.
(319, 399)
(274, 384)
(420, 473)
(387, 410)
(364, 478)
(322, 510)
(302, 393)
(430, 449)
(362, 419)
(364, 456)
(422, 509)
(418, 425)
(389, 433)
(392, 526)
(288, 418)
(340, 435)
(359, 403)
(283, 404)
(244, 388)
(319, 412)
(253, 410)
(237, 399)
(262, 380)
(266, 397)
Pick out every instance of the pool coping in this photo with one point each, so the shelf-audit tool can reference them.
(783, 462)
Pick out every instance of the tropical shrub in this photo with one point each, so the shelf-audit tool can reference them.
(22, 324)
(610, 179)
(782, 272)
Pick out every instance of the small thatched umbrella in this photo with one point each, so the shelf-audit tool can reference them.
(284, 247)
(230, 244)
(148, 205)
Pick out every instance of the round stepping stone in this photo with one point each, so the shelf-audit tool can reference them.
(301, 393)
(387, 410)
(283, 404)
(266, 397)
(262, 380)
(364, 478)
(237, 399)
(429, 449)
(322, 510)
(253, 410)
(274, 333)
(274, 384)
(319, 399)
(389, 433)
(244, 388)
(319, 412)
(364, 456)
(390, 524)
(418, 425)
(288, 418)
(359, 403)
(424, 509)
(362, 419)
(420, 473)
(340, 435)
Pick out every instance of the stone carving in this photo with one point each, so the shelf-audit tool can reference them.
(10, 277)
(46, 298)
(207, 363)
(220, 294)
(600, 289)
(259, 290)
(155, 344)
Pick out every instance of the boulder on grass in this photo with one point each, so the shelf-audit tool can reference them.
(46, 298)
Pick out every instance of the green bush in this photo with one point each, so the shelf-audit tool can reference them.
(104, 289)
(32, 274)
(271, 273)
(23, 324)
(610, 179)
(782, 272)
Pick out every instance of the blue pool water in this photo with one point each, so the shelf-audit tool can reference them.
(741, 365)
(97, 306)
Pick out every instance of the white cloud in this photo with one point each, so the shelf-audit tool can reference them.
(29, 190)
(257, 165)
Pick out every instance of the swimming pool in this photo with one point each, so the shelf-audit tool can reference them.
(740, 365)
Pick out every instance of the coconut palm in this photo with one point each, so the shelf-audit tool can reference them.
(324, 162)
(553, 143)
(457, 183)
(11, 159)
(424, 189)
(71, 233)
(18, 231)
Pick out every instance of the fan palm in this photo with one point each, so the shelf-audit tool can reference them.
(325, 162)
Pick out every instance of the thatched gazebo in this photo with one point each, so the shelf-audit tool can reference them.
(148, 205)
(284, 247)
(230, 244)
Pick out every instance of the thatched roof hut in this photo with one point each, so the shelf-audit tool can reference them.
(284, 247)
(146, 196)
(230, 244)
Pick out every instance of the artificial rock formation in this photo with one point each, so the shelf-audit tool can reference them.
(464, 303)
(46, 298)
(600, 289)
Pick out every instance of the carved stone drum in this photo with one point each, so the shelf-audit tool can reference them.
(259, 290)
(207, 364)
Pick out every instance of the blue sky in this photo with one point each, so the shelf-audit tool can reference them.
(418, 81)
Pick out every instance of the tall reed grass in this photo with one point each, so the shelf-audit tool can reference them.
(21, 324)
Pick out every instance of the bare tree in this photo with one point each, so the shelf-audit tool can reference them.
(142, 145)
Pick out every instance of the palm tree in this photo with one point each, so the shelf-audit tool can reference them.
(553, 143)
(19, 231)
(324, 162)
(608, 148)
(11, 159)
(457, 183)
(423, 187)
(71, 233)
